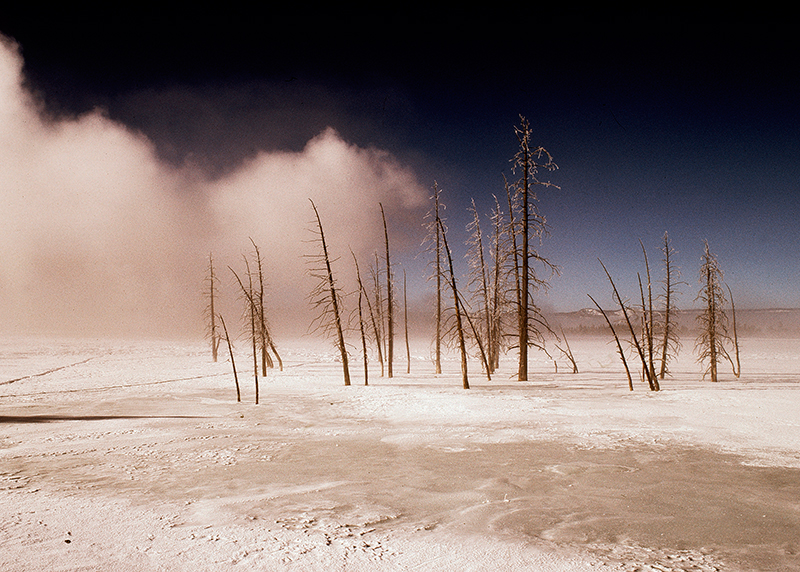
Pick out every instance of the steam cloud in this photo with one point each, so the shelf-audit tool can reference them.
(98, 236)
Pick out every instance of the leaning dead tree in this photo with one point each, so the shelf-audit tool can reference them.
(713, 338)
(265, 339)
(457, 309)
(212, 331)
(478, 286)
(251, 315)
(529, 228)
(389, 301)
(405, 322)
(233, 361)
(737, 367)
(325, 296)
(626, 312)
(616, 339)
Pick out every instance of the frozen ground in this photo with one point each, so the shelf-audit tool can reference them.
(136, 457)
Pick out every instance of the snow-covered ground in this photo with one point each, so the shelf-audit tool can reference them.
(136, 456)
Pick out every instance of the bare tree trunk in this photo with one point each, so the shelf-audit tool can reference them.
(389, 300)
(650, 321)
(457, 306)
(361, 295)
(713, 331)
(639, 349)
(670, 339)
(233, 362)
(405, 323)
(378, 324)
(363, 338)
(212, 313)
(479, 276)
(332, 302)
(737, 370)
(619, 344)
(533, 226)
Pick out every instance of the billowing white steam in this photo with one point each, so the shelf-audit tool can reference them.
(98, 235)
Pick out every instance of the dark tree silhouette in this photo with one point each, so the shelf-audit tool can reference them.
(710, 343)
(212, 331)
(233, 361)
(433, 240)
(325, 296)
(529, 228)
(389, 301)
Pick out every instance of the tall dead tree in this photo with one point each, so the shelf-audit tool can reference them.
(648, 317)
(737, 367)
(498, 286)
(433, 241)
(266, 341)
(389, 301)
(325, 296)
(362, 296)
(710, 343)
(531, 229)
(451, 279)
(405, 322)
(670, 341)
(378, 322)
(212, 331)
(479, 284)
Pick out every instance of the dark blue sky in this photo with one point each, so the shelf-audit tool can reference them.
(659, 121)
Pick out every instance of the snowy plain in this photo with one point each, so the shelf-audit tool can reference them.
(119, 455)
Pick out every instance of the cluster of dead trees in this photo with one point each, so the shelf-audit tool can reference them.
(376, 307)
(649, 328)
(494, 312)
(252, 293)
(497, 311)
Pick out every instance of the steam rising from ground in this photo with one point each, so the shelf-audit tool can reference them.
(99, 236)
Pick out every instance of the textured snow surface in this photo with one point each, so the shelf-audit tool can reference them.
(136, 456)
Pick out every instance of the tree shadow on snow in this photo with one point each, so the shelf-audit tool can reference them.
(56, 418)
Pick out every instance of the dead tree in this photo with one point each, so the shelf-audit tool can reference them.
(325, 296)
(532, 228)
(378, 322)
(433, 241)
(389, 301)
(737, 368)
(670, 341)
(710, 343)
(648, 317)
(251, 314)
(362, 295)
(266, 342)
(619, 344)
(211, 313)
(479, 284)
(451, 278)
(567, 351)
(405, 322)
(639, 349)
(233, 361)
(498, 287)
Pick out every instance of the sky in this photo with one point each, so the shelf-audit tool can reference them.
(135, 144)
